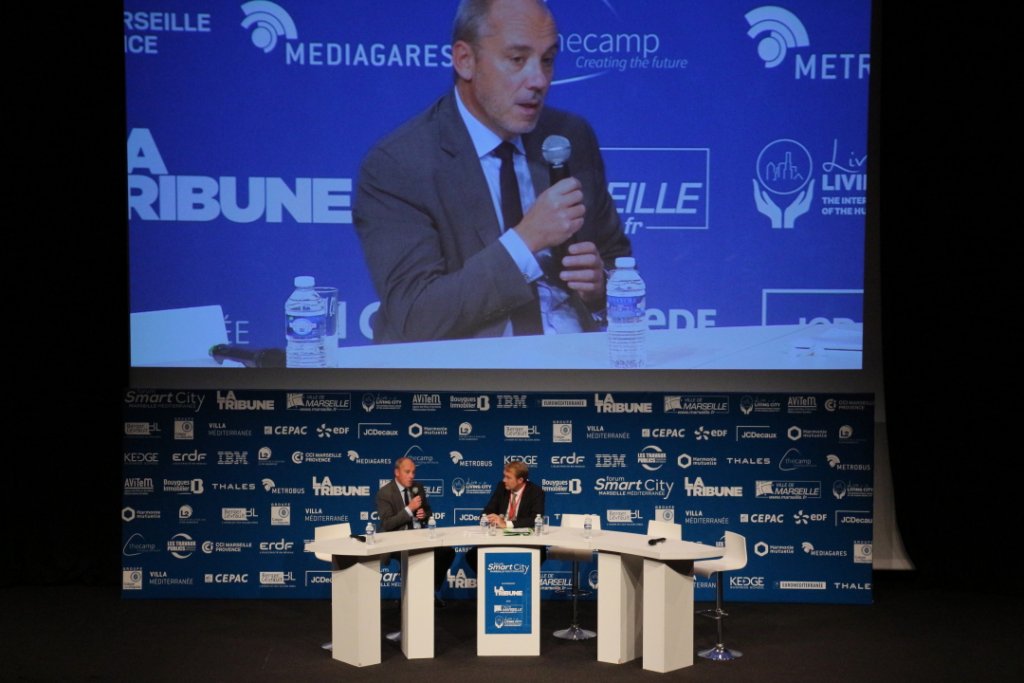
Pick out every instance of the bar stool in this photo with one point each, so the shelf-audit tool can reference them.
(575, 521)
(735, 557)
(325, 533)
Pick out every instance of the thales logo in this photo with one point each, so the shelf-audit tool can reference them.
(778, 30)
(160, 196)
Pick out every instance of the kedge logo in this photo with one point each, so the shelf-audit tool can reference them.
(156, 195)
(659, 189)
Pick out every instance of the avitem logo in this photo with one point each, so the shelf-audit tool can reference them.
(268, 22)
(781, 30)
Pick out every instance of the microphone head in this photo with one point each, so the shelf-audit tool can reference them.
(556, 150)
(415, 488)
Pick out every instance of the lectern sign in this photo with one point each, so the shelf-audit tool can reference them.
(509, 592)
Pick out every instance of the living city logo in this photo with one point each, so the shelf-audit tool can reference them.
(783, 176)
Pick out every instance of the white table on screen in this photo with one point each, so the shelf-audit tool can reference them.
(644, 602)
(772, 347)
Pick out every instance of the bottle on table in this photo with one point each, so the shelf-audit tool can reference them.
(305, 325)
(587, 527)
(371, 533)
(627, 316)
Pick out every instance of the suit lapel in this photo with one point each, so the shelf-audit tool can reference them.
(460, 180)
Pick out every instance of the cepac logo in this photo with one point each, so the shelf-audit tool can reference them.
(783, 186)
(267, 22)
(776, 30)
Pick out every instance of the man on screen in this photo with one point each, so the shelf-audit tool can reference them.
(402, 504)
(463, 232)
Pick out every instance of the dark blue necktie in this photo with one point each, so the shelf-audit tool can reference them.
(526, 318)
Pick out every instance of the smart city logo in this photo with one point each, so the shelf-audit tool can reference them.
(778, 31)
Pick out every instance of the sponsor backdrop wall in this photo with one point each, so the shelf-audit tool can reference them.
(734, 133)
(223, 488)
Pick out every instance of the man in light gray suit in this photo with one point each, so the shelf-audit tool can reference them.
(465, 236)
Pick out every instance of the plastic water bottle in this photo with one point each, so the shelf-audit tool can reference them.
(627, 320)
(432, 527)
(483, 524)
(306, 325)
(587, 527)
(371, 533)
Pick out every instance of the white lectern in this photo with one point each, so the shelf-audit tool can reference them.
(508, 601)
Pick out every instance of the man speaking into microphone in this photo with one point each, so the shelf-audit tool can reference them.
(467, 230)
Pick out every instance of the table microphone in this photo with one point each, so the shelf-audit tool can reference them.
(655, 541)
(250, 358)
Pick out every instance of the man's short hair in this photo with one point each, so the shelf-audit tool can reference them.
(399, 461)
(470, 18)
(518, 469)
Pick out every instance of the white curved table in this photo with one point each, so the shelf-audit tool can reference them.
(644, 603)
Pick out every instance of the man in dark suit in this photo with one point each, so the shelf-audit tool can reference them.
(402, 504)
(463, 234)
(515, 503)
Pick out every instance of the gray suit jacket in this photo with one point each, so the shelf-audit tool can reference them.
(430, 234)
(391, 507)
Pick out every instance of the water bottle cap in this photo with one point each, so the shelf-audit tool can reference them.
(625, 262)
(304, 281)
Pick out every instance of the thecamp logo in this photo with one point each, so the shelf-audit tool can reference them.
(267, 21)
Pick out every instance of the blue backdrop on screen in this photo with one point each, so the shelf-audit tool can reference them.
(222, 489)
(735, 138)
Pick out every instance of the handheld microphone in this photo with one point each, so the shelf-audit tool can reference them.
(415, 490)
(250, 358)
(556, 150)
